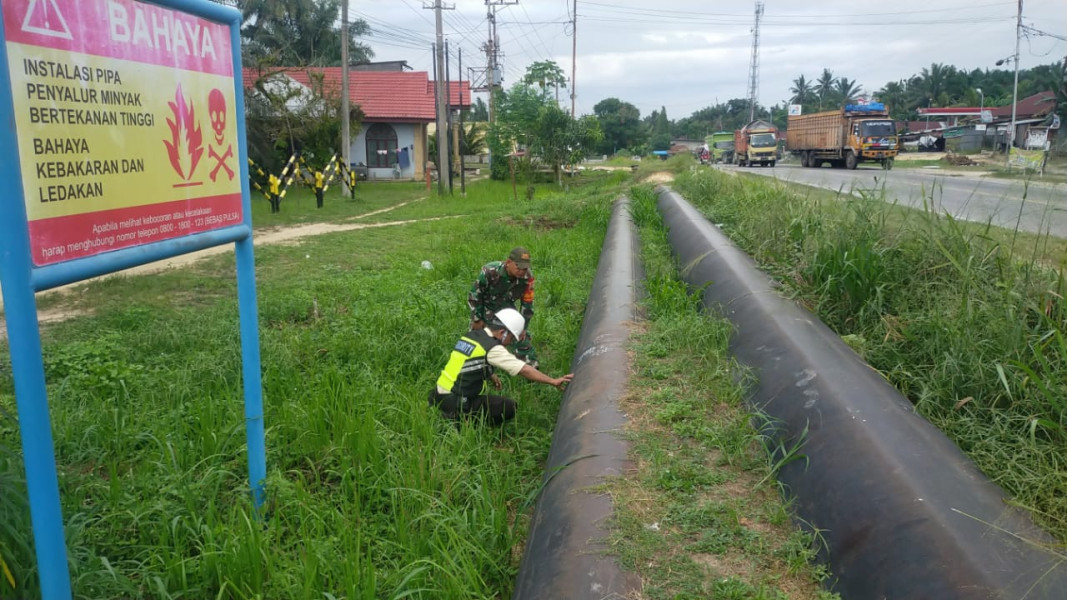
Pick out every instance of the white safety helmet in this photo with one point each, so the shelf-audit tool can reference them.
(512, 320)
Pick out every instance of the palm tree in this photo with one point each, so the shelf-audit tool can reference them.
(802, 91)
(824, 85)
(472, 139)
(932, 81)
(895, 96)
(298, 33)
(847, 90)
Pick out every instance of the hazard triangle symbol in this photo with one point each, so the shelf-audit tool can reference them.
(43, 17)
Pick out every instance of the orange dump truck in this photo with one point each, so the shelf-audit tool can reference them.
(844, 138)
(756, 143)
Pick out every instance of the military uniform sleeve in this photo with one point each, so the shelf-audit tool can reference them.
(476, 297)
(499, 357)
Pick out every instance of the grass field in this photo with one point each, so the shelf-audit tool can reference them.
(370, 494)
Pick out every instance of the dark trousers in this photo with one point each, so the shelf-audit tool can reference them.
(495, 409)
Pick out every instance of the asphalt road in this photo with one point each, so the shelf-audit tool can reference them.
(1039, 207)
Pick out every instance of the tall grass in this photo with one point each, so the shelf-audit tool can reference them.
(370, 494)
(965, 319)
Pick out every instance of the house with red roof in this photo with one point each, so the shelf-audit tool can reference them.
(397, 108)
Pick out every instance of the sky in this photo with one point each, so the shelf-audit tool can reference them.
(685, 55)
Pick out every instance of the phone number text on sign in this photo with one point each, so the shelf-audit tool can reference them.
(131, 231)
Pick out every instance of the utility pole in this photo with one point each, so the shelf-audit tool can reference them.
(753, 75)
(462, 131)
(574, 53)
(346, 128)
(449, 132)
(1015, 86)
(492, 51)
(442, 121)
(490, 55)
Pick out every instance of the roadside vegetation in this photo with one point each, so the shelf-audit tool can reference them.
(967, 320)
(369, 493)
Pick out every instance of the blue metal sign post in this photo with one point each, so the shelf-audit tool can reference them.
(165, 175)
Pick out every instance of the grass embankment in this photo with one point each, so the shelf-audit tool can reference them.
(966, 320)
(701, 515)
(370, 494)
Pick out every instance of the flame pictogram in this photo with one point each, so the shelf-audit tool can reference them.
(184, 159)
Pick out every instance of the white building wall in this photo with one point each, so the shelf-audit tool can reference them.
(405, 137)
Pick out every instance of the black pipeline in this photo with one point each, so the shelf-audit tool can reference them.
(903, 512)
(565, 551)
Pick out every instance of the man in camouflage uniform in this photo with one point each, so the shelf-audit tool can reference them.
(500, 285)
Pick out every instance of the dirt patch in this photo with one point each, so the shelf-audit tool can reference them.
(660, 177)
(906, 156)
(958, 159)
(540, 223)
(277, 235)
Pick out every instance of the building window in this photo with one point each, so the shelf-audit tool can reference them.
(381, 146)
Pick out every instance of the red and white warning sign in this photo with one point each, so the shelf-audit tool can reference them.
(126, 127)
(43, 17)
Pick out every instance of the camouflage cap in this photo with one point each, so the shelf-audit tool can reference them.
(520, 256)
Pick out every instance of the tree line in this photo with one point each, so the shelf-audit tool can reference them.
(529, 116)
(938, 85)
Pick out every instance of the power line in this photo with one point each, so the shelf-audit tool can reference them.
(770, 23)
(660, 11)
(1035, 31)
(544, 46)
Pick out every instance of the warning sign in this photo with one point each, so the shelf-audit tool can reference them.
(126, 127)
(44, 17)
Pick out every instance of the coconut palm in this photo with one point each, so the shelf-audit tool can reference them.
(932, 82)
(298, 33)
(802, 91)
(824, 86)
(895, 96)
(846, 91)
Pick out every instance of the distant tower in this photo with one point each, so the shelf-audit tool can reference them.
(753, 72)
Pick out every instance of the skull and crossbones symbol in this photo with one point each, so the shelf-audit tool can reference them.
(216, 106)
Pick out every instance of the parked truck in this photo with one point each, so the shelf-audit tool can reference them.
(755, 143)
(844, 138)
(721, 146)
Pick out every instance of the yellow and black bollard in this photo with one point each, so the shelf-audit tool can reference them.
(320, 187)
(275, 197)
